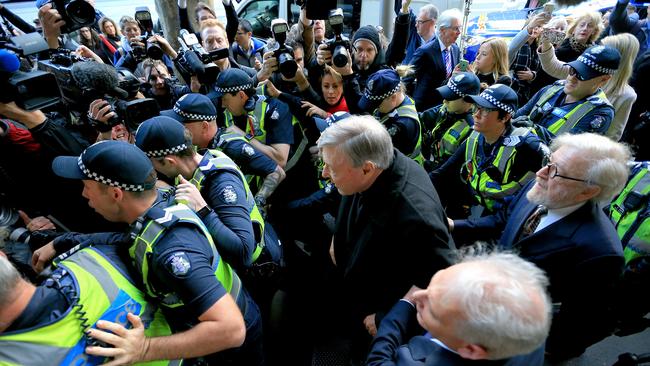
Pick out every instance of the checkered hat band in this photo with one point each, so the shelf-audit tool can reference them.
(383, 96)
(454, 88)
(111, 182)
(232, 89)
(497, 103)
(193, 116)
(595, 66)
(165, 152)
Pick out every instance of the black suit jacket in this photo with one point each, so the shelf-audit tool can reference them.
(583, 258)
(430, 72)
(397, 239)
(393, 345)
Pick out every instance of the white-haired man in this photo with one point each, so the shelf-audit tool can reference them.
(557, 223)
(489, 309)
(434, 62)
(390, 230)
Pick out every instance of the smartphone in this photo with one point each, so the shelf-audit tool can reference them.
(549, 8)
(462, 65)
(553, 36)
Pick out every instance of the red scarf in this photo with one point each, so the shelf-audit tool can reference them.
(341, 106)
(107, 44)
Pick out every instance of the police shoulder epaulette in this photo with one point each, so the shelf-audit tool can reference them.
(595, 99)
(162, 217)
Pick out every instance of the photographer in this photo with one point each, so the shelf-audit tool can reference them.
(160, 85)
(52, 23)
(203, 11)
(131, 59)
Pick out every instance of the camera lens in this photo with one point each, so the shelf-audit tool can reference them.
(80, 12)
(20, 235)
(154, 51)
(288, 66)
(340, 56)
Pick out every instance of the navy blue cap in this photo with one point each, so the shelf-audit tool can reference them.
(192, 107)
(596, 61)
(323, 124)
(497, 96)
(460, 85)
(161, 136)
(232, 80)
(380, 86)
(114, 163)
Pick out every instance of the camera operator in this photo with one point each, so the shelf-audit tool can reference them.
(161, 86)
(131, 59)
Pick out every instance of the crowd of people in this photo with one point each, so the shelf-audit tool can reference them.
(382, 197)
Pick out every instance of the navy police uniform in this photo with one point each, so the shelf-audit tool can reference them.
(593, 113)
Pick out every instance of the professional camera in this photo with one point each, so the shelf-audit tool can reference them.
(76, 14)
(284, 53)
(30, 90)
(59, 65)
(152, 49)
(11, 229)
(131, 113)
(340, 44)
(193, 59)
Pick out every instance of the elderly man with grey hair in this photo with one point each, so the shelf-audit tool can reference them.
(434, 62)
(489, 309)
(390, 229)
(557, 223)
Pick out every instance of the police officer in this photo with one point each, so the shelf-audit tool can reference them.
(448, 124)
(577, 104)
(384, 97)
(180, 267)
(214, 187)
(47, 324)
(497, 159)
(198, 115)
(265, 123)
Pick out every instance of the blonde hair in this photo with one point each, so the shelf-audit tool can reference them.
(628, 46)
(128, 20)
(499, 49)
(333, 73)
(591, 16)
(209, 23)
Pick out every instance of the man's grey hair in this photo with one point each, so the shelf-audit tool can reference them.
(361, 139)
(447, 16)
(430, 11)
(506, 310)
(9, 278)
(606, 161)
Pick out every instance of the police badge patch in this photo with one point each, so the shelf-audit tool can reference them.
(597, 122)
(228, 195)
(248, 150)
(275, 114)
(178, 263)
(392, 130)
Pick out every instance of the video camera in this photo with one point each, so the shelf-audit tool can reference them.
(30, 90)
(131, 113)
(340, 44)
(151, 49)
(284, 53)
(59, 66)
(76, 14)
(193, 59)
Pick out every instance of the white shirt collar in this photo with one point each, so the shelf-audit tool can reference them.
(439, 342)
(442, 45)
(557, 214)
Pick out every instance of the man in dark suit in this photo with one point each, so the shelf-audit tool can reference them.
(434, 62)
(507, 294)
(574, 242)
(390, 231)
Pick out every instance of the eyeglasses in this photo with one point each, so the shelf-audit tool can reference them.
(483, 112)
(420, 22)
(575, 73)
(552, 171)
(456, 29)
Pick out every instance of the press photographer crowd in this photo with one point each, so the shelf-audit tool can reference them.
(324, 196)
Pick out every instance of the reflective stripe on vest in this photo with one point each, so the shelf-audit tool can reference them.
(487, 191)
(633, 227)
(221, 161)
(256, 118)
(142, 249)
(571, 118)
(407, 110)
(103, 294)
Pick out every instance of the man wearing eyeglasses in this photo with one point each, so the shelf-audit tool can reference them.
(434, 62)
(495, 160)
(577, 104)
(422, 28)
(557, 223)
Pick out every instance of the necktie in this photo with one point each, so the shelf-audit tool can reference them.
(533, 221)
(447, 57)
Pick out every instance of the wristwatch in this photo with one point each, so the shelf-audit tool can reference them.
(203, 212)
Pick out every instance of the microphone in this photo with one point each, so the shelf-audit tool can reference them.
(101, 78)
(9, 62)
